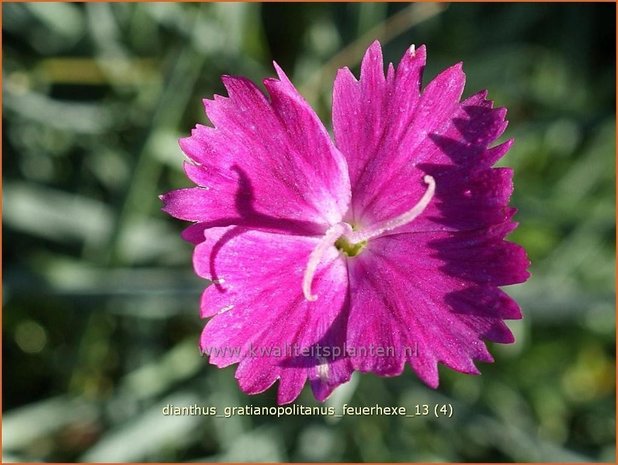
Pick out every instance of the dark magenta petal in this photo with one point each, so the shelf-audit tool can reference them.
(466, 201)
(433, 299)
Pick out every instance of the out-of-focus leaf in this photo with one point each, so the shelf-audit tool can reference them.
(147, 434)
(52, 214)
(259, 445)
(24, 425)
(87, 118)
(65, 19)
(154, 378)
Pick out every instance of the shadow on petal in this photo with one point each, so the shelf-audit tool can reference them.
(472, 203)
(330, 347)
(250, 218)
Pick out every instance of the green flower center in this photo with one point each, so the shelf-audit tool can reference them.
(351, 250)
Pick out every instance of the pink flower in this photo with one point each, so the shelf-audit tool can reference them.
(383, 248)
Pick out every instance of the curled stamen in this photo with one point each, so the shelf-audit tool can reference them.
(359, 236)
(328, 240)
(344, 231)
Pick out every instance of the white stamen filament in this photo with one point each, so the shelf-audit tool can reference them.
(355, 237)
(328, 240)
(388, 225)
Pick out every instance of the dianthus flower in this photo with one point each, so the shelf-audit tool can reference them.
(383, 248)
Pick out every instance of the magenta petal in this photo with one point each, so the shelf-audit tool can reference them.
(433, 299)
(386, 187)
(257, 308)
(191, 204)
(194, 233)
(466, 201)
(405, 133)
(264, 162)
(367, 118)
(396, 118)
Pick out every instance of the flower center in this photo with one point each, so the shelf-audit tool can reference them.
(351, 242)
(348, 248)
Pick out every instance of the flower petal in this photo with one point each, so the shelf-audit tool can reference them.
(433, 299)
(260, 318)
(465, 201)
(392, 134)
(364, 110)
(264, 161)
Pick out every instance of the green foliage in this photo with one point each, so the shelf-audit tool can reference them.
(100, 321)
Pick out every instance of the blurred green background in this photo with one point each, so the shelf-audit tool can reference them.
(100, 318)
